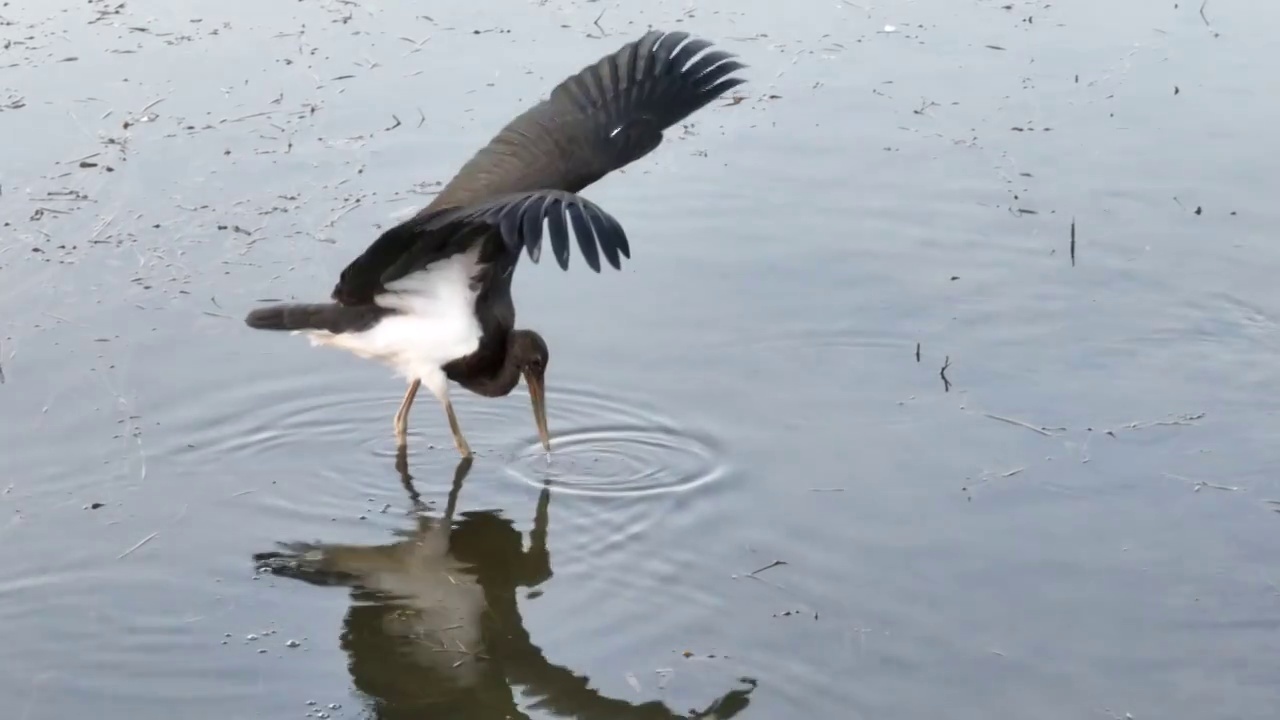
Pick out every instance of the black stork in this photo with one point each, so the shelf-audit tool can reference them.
(431, 297)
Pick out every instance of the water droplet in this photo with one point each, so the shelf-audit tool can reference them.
(251, 637)
(292, 643)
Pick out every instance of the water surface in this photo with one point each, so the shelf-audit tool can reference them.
(894, 193)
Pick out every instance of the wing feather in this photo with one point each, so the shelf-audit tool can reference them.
(586, 238)
(532, 226)
(605, 234)
(608, 115)
(571, 139)
(558, 229)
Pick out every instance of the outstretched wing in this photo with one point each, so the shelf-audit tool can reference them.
(508, 223)
(606, 116)
(601, 119)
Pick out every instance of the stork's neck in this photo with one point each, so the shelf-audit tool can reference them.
(492, 370)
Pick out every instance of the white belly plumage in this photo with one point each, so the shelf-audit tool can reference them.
(435, 323)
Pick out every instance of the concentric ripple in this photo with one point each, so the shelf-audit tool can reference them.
(602, 447)
(261, 414)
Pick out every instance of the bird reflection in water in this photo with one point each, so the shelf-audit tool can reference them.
(434, 629)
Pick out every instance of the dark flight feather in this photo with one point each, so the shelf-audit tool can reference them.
(603, 118)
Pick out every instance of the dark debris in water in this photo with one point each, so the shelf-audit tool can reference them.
(1073, 242)
(793, 613)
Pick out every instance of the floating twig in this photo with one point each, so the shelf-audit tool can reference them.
(1073, 242)
(946, 384)
(917, 352)
(333, 220)
(77, 161)
(1199, 485)
(1185, 419)
(1019, 423)
(141, 542)
(250, 116)
(925, 104)
(773, 564)
(1202, 15)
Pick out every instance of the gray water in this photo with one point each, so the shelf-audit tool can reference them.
(1074, 523)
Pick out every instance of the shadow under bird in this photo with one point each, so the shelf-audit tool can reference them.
(431, 297)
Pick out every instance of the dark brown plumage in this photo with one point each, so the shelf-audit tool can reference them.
(402, 300)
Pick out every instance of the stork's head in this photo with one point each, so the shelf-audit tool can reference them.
(529, 352)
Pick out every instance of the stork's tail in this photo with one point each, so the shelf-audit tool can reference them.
(332, 317)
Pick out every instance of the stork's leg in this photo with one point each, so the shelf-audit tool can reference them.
(438, 384)
(458, 440)
(402, 417)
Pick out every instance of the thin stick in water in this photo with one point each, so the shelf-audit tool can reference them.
(773, 564)
(141, 542)
(1019, 423)
(1073, 242)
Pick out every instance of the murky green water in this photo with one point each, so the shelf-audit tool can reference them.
(748, 390)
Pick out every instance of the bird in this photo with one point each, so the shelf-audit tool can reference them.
(431, 296)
